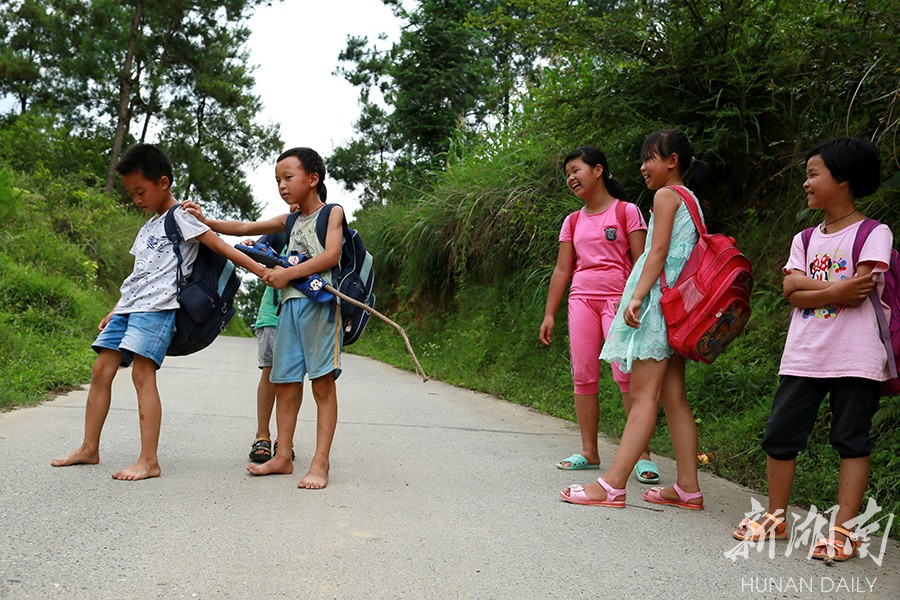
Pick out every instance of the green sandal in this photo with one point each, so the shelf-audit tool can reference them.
(576, 463)
(646, 466)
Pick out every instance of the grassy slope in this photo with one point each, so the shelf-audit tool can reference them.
(63, 254)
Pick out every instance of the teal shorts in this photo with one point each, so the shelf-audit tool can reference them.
(307, 341)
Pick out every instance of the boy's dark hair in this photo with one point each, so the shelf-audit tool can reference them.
(311, 163)
(593, 156)
(148, 160)
(667, 142)
(853, 160)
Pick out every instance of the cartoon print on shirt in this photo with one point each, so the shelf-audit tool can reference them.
(301, 244)
(826, 268)
(157, 243)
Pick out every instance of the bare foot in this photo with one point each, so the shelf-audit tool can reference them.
(138, 471)
(315, 479)
(277, 465)
(79, 457)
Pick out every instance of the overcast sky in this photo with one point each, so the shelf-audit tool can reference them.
(294, 45)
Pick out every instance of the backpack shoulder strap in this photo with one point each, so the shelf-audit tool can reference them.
(805, 237)
(621, 217)
(862, 234)
(173, 232)
(289, 223)
(322, 222)
(574, 218)
(691, 205)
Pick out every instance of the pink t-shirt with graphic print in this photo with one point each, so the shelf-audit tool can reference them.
(602, 262)
(837, 340)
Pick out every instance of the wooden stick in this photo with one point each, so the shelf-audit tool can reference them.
(369, 309)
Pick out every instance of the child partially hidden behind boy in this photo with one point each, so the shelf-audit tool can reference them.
(309, 335)
(138, 330)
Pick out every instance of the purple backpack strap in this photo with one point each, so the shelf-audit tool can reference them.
(862, 234)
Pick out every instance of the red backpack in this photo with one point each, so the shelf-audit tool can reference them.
(709, 305)
(890, 332)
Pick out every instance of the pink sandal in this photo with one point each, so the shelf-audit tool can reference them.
(575, 494)
(653, 495)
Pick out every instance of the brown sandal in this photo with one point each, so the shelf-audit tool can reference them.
(831, 549)
(753, 531)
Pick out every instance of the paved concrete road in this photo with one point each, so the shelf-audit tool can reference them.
(436, 492)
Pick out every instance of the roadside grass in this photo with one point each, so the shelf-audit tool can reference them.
(64, 251)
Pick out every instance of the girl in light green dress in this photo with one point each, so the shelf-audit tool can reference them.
(638, 337)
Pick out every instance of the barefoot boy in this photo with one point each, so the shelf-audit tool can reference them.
(138, 330)
(309, 335)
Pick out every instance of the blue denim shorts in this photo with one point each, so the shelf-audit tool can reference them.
(307, 341)
(146, 334)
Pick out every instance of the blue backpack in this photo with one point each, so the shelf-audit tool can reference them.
(206, 299)
(354, 275)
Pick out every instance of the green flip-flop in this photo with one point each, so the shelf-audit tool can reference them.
(576, 463)
(646, 466)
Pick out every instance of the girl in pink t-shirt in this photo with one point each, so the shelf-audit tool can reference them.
(833, 345)
(597, 248)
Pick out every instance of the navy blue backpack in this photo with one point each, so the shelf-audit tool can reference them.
(206, 298)
(353, 276)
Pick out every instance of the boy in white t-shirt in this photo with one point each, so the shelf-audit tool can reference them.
(138, 330)
(833, 345)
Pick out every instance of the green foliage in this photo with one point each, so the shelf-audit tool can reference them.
(63, 253)
(467, 253)
(167, 66)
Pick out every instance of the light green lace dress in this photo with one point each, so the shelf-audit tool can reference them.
(625, 344)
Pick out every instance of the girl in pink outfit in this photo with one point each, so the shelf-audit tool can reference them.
(597, 248)
(833, 344)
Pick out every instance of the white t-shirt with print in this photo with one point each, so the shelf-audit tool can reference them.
(837, 340)
(151, 285)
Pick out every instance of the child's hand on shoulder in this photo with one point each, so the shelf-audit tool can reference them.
(194, 209)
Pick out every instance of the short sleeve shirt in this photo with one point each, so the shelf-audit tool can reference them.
(304, 239)
(602, 251)
(837, 340)
(151, 285)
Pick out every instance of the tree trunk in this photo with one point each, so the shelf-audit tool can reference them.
(124, 98)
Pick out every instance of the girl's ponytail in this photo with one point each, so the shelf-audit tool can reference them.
(696, 175)
(593, 157)
(615, 189)
(667, 142)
